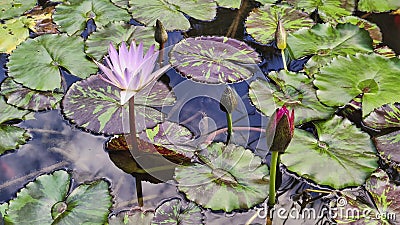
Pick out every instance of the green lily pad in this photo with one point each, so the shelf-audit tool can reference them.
(385, 116)
(25, 98)
(341, 156)
(294, 90)
(373, 29)
(233, 4)
(95, 105)
(73, 15)
(132, 217)
(116, 32)
(13, 8)
(3, 208)
(384, 193)
(174, 211)
(324, 42)
(13, 32)
(327, 9)
(46, 56)
(171, 13)
(11, 137)
(214, 60)
(347, 77)
(231, 178)
(8, 112)
(45, 201)
(262, 22)
(378, 6)
(389, 146)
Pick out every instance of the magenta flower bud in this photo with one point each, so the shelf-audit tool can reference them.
(280, 129)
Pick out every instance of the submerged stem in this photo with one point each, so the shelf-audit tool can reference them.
(133, 142)
(284, 59)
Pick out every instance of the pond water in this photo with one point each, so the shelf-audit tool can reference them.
(56, 144)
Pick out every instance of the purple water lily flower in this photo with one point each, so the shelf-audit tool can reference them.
(129, 70)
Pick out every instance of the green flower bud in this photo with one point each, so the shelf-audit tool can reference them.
(228, 100)
(280, 36)
(160, 35)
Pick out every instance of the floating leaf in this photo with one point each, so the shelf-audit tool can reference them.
(385, 51)
(347, 77)
(171, 13)
(25, 98)
(12, 137)
(373, 29)
(72, 17)
(262, 22)
(385, 116)
(389, 146)
(121, 3)
(46, 56)
(294, 90)
(325, 42)
(234, 4)
(174, 211)
(327, 9)
(13, 32)
(45, 201)
(341, 156)
(8, 112)
(384, 193)
(43, 18)
(13, 8)
(116, 32)
(378, 6)
(232, 178)
(95, 105)
(132, 217)
(214, 60)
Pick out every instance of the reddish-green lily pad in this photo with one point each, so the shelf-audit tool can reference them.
(262, 22)
(384, 210)
(389, 146)
(134, 216)
(214, 60)
(378, 6)
(327, 9)
(94, 104)
(175, 211)
(386, 116)
(25, 98)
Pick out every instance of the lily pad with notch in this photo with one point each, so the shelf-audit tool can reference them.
(385, 207)
(25, 98)
(230, 177)
(73, 15)
(325, 42)
(116, 32)
(13, 32)
(340, 156)
(214, 60)
(373, 29)
(46, 201)
(172, 13)
(262, 22)
(176, 211)
(386, 116)
(94, 104)
(378, 6)
(328, 10)
(294, 90)
(374, 76)
(46, 58)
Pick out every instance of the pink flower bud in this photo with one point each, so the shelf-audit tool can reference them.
(280, 129)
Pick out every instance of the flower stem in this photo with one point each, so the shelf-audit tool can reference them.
(272, 180)
(229, 122)
(133, 142)
(284, 59)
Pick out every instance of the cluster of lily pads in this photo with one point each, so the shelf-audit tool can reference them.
(348, 69)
